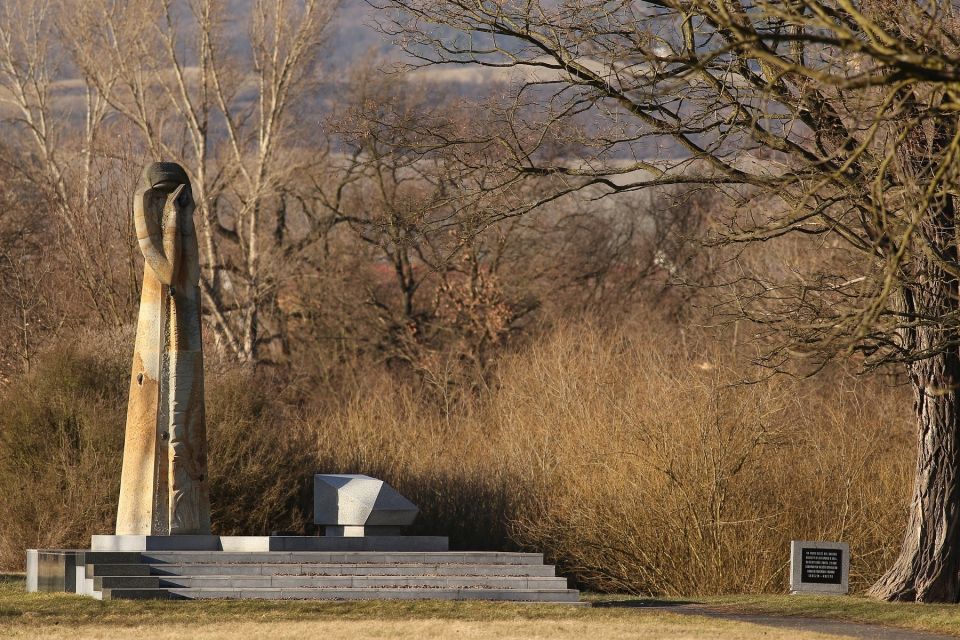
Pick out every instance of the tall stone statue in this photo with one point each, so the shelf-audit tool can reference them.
(164, 486)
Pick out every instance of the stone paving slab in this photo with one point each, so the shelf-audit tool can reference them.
(126, 582)
(357, 557)
(327, 582)
(336, 569)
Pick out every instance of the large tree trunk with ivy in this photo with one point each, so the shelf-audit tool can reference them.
(928, 568)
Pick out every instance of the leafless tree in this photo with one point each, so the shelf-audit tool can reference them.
(57, 126)
(168, 71)
(26, 308)
(446, 278)
(830, 118)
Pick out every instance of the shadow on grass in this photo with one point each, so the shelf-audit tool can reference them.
(643, 603)
(11, 580)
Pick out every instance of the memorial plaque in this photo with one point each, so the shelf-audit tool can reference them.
(819, 567)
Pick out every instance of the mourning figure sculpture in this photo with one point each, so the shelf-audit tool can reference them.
(164, 485)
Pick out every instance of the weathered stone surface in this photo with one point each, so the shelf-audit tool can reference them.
(33, 567)
(164, 487)
(133, 542)
(341, 500)
(318, 575)
(819, 567)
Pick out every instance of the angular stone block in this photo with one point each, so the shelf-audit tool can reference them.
(348, 500)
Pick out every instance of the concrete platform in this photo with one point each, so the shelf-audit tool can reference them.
(332, 543)
(319, 575)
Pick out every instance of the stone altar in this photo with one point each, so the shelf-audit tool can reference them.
(357, 505)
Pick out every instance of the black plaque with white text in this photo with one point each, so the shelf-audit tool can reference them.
(821, 566)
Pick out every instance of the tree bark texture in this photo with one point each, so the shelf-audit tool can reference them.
(928, 567)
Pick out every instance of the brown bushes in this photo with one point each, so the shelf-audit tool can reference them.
(635, 461)
(655, 472)
(60, 448)
(261, 466)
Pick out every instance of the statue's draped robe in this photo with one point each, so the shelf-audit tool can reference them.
(164, 485)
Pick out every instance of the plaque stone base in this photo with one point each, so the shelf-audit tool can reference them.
(819, 567)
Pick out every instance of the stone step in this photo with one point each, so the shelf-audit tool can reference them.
(349, 557)
(332, 569)
(410, 593)
(94, 570)
(125, 582)
(328, 582)
(110, 557)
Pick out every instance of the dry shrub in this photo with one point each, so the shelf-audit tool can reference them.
(261, 466)
(657, 471)
(637, 462)
(59, 448)
(445, 461)
(641, 463)
(61, 443)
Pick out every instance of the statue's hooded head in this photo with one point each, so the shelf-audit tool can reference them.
(164, 177)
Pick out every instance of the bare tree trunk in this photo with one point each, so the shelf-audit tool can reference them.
(928, 569)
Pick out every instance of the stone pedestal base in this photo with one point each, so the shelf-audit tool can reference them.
(347, 542)
(301, 575)
(59, 570)
(331, 543)
(358, 531)
(155, 543)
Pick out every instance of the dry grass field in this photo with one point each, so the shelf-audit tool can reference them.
(638, 627)
(68, 617)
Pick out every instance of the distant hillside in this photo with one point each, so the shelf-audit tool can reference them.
(353, 35)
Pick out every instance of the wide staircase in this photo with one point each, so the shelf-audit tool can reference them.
(320, 575)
